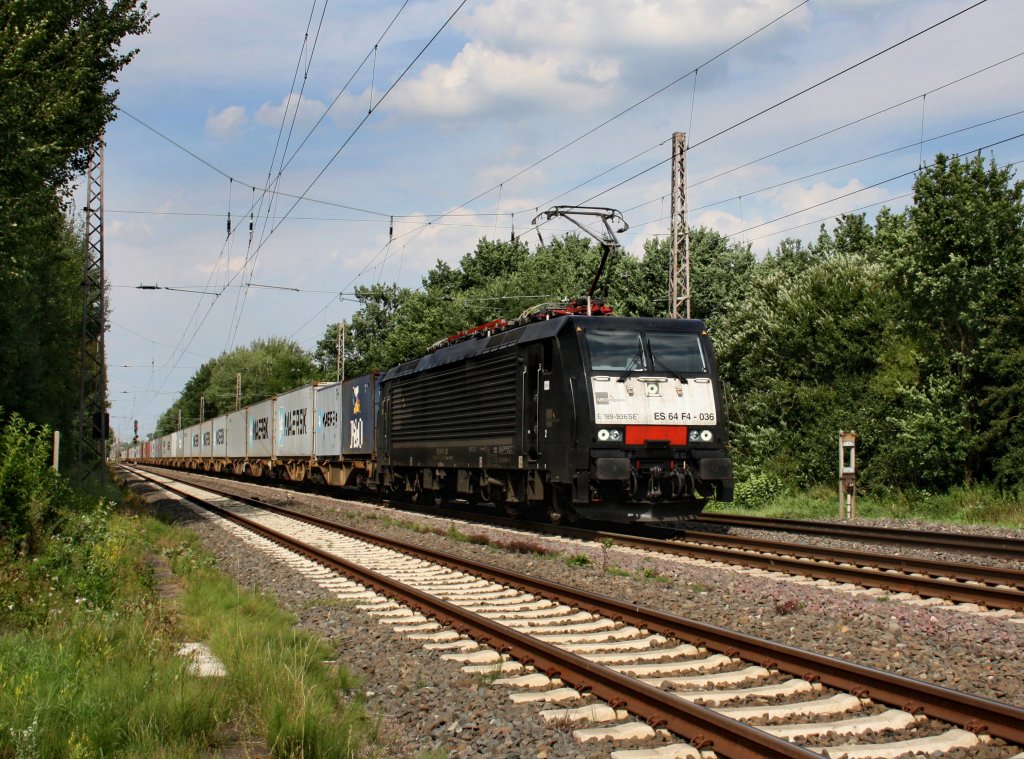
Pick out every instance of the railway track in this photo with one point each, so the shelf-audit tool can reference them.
(980, 544)
(974, 587)
(736, 694)
(977, 585)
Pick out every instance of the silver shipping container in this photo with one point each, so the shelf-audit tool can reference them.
(206, 439)
(220, 437)
(358, 404)
(293, 419)
(327, 442)
(260, 430)
(193, 439)
(236, 427)
(178, 445)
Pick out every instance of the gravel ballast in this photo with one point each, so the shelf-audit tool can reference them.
(427, 703)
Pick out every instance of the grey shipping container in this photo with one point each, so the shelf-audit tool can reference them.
(293, 416)
(327, 400)
(260, 430)
(236, 432)
(193, 440)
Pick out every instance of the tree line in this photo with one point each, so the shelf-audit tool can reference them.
(908, 330)
(57, 62)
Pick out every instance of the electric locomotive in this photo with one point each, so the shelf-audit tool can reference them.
(590, 416)
(566, 409)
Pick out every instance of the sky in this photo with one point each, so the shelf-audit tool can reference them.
(364, 140)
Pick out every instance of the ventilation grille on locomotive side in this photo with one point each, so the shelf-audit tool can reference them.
(470, 401)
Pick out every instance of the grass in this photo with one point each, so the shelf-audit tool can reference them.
(578, 560)
(976, 505)
(647, 573)
(88, 663)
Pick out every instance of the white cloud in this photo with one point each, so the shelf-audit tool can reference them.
(305, 110)
(598, 26)
(483, 80)
(226, 122)
(576, 54)
(231, 266)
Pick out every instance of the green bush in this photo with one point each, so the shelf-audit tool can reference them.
(757, 491)
(30, 491)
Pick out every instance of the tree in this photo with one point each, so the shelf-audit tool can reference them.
(268, 366)
(719, 275)
(799, 355)
(56, 62)
(960, 275)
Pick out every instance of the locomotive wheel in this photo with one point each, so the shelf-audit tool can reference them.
(559, 510)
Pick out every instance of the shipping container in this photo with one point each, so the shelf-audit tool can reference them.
(236, 434)
(192, 440)
(327, 442)
(220, 437)
(206, 439)
(358, 404)
(260, 429)
(293, 415)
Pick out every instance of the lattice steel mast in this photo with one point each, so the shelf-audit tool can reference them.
(93, 423)
(679, 260)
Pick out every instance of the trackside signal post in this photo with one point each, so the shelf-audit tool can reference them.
(848, 475)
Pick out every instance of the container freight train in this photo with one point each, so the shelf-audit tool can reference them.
(581, 416)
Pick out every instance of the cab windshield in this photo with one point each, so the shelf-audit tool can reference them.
(616, 350)
(677, 352)
(629, 351)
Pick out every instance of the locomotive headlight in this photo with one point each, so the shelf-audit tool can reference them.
(603, 435)
(705, 436)
(694, 436)
(615, 435)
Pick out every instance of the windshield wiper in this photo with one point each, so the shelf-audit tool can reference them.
(667, 368)
(638, 358)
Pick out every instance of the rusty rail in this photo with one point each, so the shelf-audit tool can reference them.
(972, 712)
(985, 544)
(702, 726)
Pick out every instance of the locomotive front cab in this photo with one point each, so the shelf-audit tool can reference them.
(656, 428)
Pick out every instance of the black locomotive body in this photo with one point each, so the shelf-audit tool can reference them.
(608, 418)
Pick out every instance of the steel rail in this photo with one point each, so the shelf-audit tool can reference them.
(938, 579)
(950, 582)
(1012, 547)
(975, 713)
(704, 727)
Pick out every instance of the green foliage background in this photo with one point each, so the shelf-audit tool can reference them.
(909, 330)
(57, 62)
